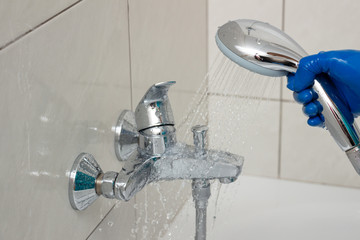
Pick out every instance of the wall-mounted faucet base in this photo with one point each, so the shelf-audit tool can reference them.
(82, 181)
(146, 141)
(126, 135)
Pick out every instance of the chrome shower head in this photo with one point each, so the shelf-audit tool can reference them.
(259, 47)
(267, 50)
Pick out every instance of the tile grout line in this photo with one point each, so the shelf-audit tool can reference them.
(301, 181)
(131, 88)
(280, 131)
(131, 101)
(319, 183)
(130, 62)
(251, 97)
(206, 86)
(91, 233)
(281, 99)
(207, 56)
(37, 26)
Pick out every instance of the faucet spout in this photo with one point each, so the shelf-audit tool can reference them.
(180, 162)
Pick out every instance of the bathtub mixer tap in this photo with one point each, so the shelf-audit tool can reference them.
(146, 141)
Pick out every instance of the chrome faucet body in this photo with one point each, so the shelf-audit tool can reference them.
(146, 141)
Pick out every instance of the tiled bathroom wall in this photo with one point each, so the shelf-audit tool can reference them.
(62, 87)
(68, 68)
(21, 17)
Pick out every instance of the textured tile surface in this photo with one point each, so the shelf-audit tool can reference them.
(247, 127)
(60, 96)
(120, 223)
(311, 154)
(323, 25)
(168, 42)
(20, 16)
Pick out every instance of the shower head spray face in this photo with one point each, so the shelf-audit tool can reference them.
(259, 47)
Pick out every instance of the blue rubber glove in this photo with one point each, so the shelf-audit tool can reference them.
(339, 68)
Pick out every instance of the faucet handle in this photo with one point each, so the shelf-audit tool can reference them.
(199, 132)
(154, 109)
(157, 92)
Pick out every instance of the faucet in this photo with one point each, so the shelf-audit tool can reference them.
(145, 140)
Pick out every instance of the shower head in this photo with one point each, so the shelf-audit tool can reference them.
(259, 47)
(267, 50)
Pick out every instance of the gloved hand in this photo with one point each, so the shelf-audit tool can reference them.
(342, 68)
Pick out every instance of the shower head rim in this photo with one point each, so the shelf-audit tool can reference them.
(246, 64)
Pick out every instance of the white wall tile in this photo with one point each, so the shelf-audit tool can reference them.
(168, 42)
(249, 128)
(19, 16)
(120, 223)
(60, 95)
(310, 154)
(324, 24)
